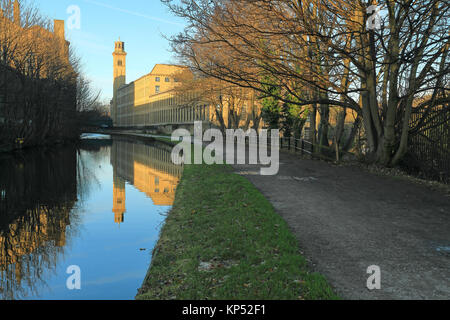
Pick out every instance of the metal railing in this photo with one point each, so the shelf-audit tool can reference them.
(314, 150)
(297, 145)
(429, 149)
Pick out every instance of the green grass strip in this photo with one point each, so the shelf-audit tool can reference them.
(223, 240)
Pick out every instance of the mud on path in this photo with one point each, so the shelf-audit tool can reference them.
(347, 219)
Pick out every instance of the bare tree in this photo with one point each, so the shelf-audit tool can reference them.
(325, 53)
(234, 106)
(41, 85)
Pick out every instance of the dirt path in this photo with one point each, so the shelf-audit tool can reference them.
(347, 219)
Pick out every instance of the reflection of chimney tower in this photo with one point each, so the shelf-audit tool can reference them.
(59, 29)
(118, 200)
(17, 12)
(18, 272)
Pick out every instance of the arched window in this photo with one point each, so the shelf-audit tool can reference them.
(119, 63)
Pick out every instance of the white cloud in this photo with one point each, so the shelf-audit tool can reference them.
(137, 14)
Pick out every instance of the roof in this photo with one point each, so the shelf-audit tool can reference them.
(160, 69)
(167, 69)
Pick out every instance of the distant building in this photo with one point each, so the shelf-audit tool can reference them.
(31, 53)
(32, 39)
(153, 100)
(153, 87)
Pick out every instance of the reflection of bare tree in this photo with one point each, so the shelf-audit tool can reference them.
(31, 245)
(87, 160)
(38, 219)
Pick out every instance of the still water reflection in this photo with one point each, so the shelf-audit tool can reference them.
(99, 206)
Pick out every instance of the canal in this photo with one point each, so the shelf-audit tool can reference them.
(96, 208)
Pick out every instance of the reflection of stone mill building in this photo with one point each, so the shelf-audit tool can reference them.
(148, 168)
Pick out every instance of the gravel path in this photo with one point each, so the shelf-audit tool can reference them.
(347, 219)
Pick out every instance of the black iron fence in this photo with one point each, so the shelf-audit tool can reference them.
(305, 147)
(297, 145)
(429, 145)
(428, 148)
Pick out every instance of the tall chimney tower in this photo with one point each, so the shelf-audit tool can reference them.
(17, 12)
(119, 60)
(58, 28)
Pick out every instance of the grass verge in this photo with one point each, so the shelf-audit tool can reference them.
(223, 240)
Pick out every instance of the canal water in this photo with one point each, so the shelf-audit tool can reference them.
(97, 208)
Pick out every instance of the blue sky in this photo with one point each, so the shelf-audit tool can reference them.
(139, 23)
